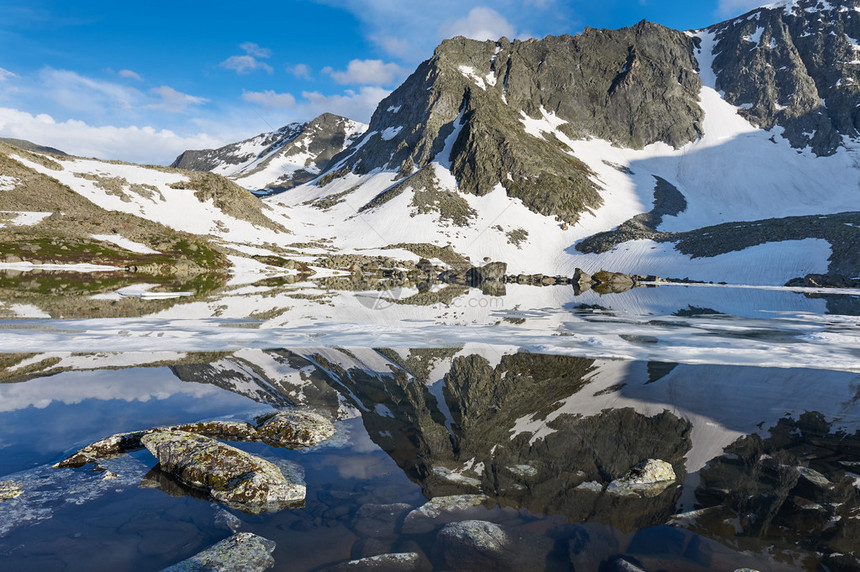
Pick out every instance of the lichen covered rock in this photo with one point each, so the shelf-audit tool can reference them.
(232, 476)
(242, 552)
(649, 478)
(294, 428)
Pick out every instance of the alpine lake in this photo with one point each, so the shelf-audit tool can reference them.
(474, 430)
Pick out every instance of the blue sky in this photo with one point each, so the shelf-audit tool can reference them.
(144, 81)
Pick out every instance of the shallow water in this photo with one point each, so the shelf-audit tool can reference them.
(537, 399)
(525, 429)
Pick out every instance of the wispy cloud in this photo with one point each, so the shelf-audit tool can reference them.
(301, 71)
(243, 64)
(6, 74)
(174, 101)
(367, 72)
(253, 49)
(270, 99)
(358, 105)
(128, 74)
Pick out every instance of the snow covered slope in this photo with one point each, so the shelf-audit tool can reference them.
(416, 175)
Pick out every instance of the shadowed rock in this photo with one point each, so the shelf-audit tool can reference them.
(481, 545)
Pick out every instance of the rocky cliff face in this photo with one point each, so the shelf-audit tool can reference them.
(489, 101)
(279, 160)
(795, 64)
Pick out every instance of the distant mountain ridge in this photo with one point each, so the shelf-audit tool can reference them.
(30, 146)
(278, 160)
(726, 154)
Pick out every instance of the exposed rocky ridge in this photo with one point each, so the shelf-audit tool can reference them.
(794, 65)
(601, 83)
(30, 146)
(281, 159)
(236, 154)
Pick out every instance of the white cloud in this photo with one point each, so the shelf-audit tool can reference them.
(245, 64)
(128, 74)
(270, 99)
(358, 105)
(253, 49)
(728, 8)
(248, 62)
(174, 101)
(301, 71)
(138, 144)
(6, 74)
(391, 44)
(481, 23)
(80, 93)
(409, 31)
(367, 72)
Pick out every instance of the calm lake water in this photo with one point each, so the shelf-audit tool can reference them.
(537, 400)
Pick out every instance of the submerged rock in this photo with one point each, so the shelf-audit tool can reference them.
(391, 562)
(442, 510)
(242, 552)
(379, 520)
(649, 478)
(294, 428)
(9, 490)
(232, 476)
(480, 545)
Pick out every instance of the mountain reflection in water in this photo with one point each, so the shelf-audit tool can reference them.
(767, 460)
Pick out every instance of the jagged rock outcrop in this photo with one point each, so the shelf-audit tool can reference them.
(794, 64)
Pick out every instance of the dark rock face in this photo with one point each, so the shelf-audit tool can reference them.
(797, 485)
(794, 67)
(633, 86)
